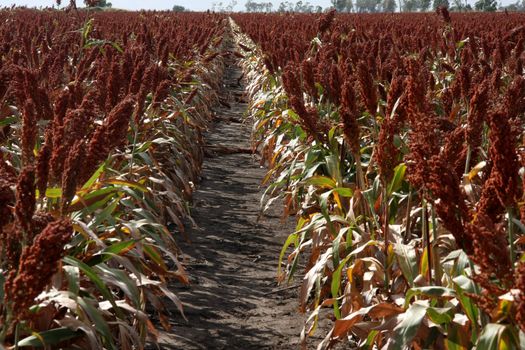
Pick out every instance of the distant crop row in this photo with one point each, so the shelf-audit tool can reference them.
(397, 141)
(100, 137)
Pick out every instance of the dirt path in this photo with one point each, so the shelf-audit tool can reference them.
(232, 302)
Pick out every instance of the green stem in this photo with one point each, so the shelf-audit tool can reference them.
(131, 161)
(510, 213)
(469, 156)
(359, 172)
(360, 179)
(426, 238)
(469, 148)
(385, 232)
(407, 227)
(17, 331)
(482, 316)
(436, 255)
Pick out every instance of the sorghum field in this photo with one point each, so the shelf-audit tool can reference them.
(392, 143)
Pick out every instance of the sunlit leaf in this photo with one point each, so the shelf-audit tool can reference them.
(491, 337)
(407, 259)
(399, 175)
(407, 329)
(49, 337)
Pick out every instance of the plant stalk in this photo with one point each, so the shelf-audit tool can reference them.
(426, 238)
(361, 186)
(359, 172)
(467, 162)
(132, 160)
(435, 252)
(408, 223)
(385, 232)
(510, 213)
(17, 335)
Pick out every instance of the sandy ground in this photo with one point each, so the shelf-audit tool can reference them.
(233, 301)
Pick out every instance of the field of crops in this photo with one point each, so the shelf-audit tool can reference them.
(396, 141)
(100, 129)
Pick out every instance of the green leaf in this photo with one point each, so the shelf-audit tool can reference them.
(440, 315)
(127, 183)
(292, 238)
(334, 169)
(92, 203)
(121, 279)
(344, 191)
(54, 192)
(397, 180)
(331, 134)
(457, 338)
(370, 340)
(429, 291)
(115, 249)
(407, 329)
(465, 285)
(100, 324)
(491, 336)
(336, 284)
(73, 278)
(86, 30)
(104, 214)
(423, 263)
(321, 181)
(95, 176)
(92, 275)
(50, 337)
(8, 121)
(407, 259)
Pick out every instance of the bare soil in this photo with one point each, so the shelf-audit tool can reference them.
(233, 301)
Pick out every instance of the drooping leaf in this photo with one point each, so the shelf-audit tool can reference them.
(491, 336)
(407, 260)
(440, 315)
(92, 275)
(430, 292)
(96, 317)
(405, 332)
(119, 248)
(321, 181)
(49, 337)
(336, 284)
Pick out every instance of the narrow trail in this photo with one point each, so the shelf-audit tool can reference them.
(234, 301)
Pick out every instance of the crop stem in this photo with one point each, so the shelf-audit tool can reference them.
(435, 247)
(134, 147)
(510, 213)
(385, 232)
(360, 179)
(407, 225)
(426, 238)
(467, 162)
(17, 335)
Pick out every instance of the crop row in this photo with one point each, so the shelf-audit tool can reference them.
(101, 120)
(397, 142)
